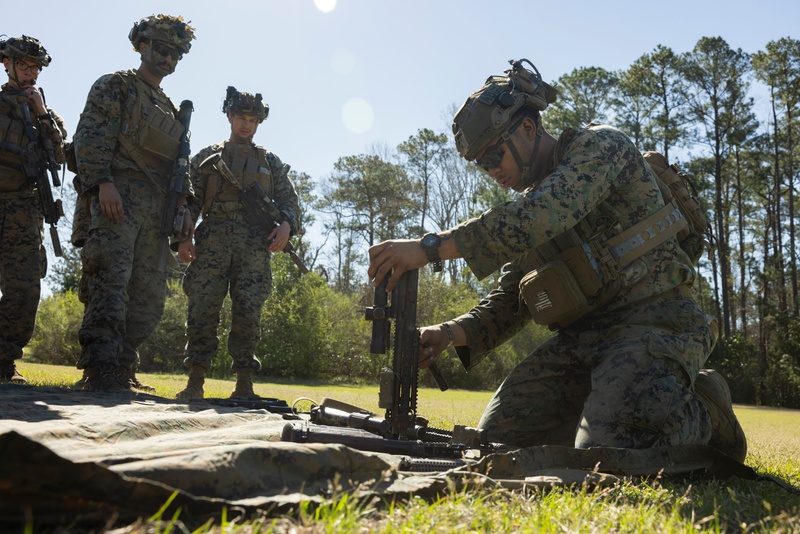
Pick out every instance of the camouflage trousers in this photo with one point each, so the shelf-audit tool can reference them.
(625, 381)
(232, 257)
(125, 292)
(23, 262)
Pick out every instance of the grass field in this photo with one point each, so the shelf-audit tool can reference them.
(732, 505)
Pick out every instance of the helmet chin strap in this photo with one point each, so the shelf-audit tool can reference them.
(13, 77)
(526, 171)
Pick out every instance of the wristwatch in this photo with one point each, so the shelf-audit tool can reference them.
(430, 244)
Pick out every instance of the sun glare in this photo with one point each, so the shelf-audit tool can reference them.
(357, 115)
(326, 6)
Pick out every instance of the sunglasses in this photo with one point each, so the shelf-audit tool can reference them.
(494, 154)
(165, 50)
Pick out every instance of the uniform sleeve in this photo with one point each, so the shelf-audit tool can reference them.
(587, 174)
(495, 319)
(58, 134)
(98, 129)
(199, 180)
(285, 195)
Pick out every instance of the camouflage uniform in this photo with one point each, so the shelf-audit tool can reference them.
(125, 292)
(23, 258)
(232, 254)
(621, 376)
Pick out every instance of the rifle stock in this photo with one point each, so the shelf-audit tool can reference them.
(172, 220)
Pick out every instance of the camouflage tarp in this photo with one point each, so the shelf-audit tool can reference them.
(86, 456)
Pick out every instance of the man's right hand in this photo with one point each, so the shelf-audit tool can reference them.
(111, 202)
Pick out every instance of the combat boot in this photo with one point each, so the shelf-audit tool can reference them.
(106, 377)
(194, 388)
(727, 434)
(9, 373)
(244, 386)
(134, 382)
(80, 383)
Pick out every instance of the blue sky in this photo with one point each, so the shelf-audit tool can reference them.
(345, 77)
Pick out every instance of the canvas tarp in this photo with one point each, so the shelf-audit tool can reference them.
(69, 454)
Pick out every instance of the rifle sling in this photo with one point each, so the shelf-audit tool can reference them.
(136, 156)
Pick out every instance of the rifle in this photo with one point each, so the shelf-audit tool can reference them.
(402, 430)
(172, 220)
(259, 209)
(272, 405)
(35, 171)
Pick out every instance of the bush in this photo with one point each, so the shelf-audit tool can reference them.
(55, 336)
(163, 350)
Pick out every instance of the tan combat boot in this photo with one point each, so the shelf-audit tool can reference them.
(244, 386)
(135, 383)
(727, 435)
(194, 388)
(9, 373)
(106, 377)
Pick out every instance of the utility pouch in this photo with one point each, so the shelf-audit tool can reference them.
(553, 295)
(160, 134)
(69, 157)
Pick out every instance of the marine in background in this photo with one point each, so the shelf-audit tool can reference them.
(126, 145)
(23, 257)
(231, 254)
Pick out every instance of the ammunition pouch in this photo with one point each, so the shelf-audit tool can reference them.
(249, 166)
(587, 275)
(553, 295)
(13, 144)
(151, 133)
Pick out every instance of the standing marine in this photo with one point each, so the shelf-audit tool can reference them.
(28, 131)
(126, 146)
(588, 248)
(233, 254)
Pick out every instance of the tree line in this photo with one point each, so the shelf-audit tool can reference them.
(726, 116)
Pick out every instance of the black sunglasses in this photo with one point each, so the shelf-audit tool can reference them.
(165, 50)
(493, 155)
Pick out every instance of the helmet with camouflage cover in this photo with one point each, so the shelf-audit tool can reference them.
(488, 112)
(245, 104)
(26, 48)
(165, 28)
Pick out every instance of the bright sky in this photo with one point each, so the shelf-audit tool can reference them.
(343, 77)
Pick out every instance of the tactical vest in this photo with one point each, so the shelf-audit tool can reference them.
(13, 143)
(248, 163)
(584, 268)
(149, 134)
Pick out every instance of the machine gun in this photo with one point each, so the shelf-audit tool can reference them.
(36, 169)
(402, 430)
(259, 209)
(172, 220)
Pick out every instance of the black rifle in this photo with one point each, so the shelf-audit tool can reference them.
(402, 430)
(259, 209)
(270, 404)
(172, 220)
(39, 158)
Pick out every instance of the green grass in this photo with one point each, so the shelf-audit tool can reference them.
(657, 505)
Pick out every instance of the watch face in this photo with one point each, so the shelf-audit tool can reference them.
(431, 240)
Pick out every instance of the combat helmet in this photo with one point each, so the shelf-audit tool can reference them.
(488, 112)
(165, 28)
(26, 48)
(245, 104)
